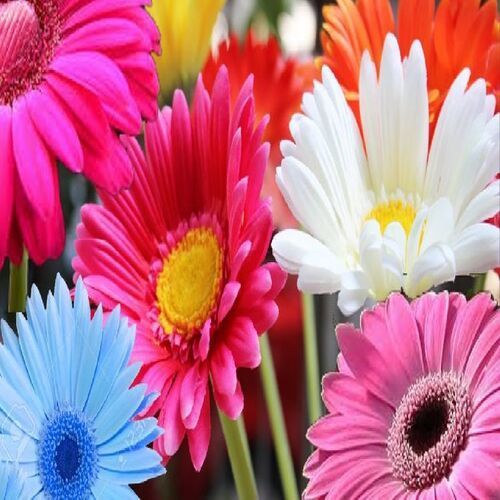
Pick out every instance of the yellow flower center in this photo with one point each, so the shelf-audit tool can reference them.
(188, 287)
(393, 211)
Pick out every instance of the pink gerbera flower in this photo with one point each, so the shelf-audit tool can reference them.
(73, 73)
(414, 409)
(182, 252)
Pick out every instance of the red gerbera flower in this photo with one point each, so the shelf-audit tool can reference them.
(181, 251)
(279, 83)
(73, 73)
(458, 34)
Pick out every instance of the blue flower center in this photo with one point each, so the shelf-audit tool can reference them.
(67, 456)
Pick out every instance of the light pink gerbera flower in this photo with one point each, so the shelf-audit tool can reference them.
(182, 252)
(414, 409)
(73, 74)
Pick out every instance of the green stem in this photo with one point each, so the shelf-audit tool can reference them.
(311, 358)
(239, 456)
(479, 282)
(278, 428)
(18, 285)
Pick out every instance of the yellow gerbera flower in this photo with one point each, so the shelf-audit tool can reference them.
(186, 27)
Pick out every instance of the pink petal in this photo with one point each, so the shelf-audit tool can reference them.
(484, 348)
(404, 333)
(338, 433)
(467, 327)
(193, 393)
(434, 324)
(477, 473)
(344, 394)
(369, 367)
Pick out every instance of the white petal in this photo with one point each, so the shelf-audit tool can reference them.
(477, 249)
(414, 123)
(439, 224)
(354, 292)
(435, 266)
(299, 253)
(460, 159)
(307, 201)
(485, 205)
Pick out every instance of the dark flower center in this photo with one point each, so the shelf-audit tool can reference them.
(67, 456)
(429, 430)
(29, 33)
(429, 424)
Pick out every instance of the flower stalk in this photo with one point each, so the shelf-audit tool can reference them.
(18, 285)
(313, 385)
(239, 456)
(277, 421)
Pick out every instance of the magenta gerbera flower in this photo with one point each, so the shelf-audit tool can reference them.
(73, 74)
(182, 253)
(414, 410)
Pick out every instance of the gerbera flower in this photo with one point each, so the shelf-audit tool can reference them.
(400, 216)
(459, 34)
(413, 410)
(182, 252)
(67, 415)
(279, 83)
(11, 484)
(72, 75)
(186, 30)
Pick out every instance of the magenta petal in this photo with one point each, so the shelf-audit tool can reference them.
(100, 75)
(56, 129)
(170, 418)
(223, 370)
(243, 342)
(199, 437)
(35, 166)
(6, 179)
(231, 405)
(227, 299)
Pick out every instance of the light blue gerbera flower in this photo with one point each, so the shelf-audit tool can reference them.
(11, 484)
(66, 407)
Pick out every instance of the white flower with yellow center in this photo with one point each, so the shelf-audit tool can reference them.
(388, 212)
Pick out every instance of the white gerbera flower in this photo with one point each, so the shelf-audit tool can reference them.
(399, 216)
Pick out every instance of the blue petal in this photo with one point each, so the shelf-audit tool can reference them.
(19, 449)
(16, 376)
(107, 375)
(116, 414)
(88, 358)
(13, 408)
(135, 435)
(11, 341)
(131, 467)
(149, 399)
(103, 490)
(35, 363)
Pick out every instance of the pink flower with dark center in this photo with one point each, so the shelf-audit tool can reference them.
(73, 75)
(414, 410)
(182, 253)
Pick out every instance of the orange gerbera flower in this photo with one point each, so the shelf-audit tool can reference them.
(458, 34)
(279, 83)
